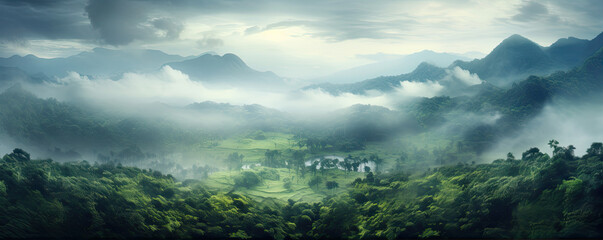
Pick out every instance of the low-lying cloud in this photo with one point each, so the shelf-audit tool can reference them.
(419, 89)
(464, 76)
(570, 124)
(175, 88)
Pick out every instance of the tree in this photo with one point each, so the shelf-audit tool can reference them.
(299, 161)
(314, 167)
(367, 169)
(331, 185)
(247, 179)
(400, 161)
(346, 164)
(377, 160)
(563, 152)
(337, 220)
(569, 152)
(19, 155)
(234, 161)
(272, 158)
(595, 149)
(531, 154)
(315, 181)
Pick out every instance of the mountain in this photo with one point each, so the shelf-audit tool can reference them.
(225, 69)
(401, 65)
(255, 116)
(514, 106)
(424, 72)
(98, 62)
(518, 57)
(12, 75)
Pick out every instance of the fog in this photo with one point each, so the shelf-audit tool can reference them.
(167, 104)
(463, 75)
(174, 88)
(570, 123)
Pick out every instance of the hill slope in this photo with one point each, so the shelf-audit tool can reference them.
(98, 62)
(229, 69)
(400, 65)
(517, 57)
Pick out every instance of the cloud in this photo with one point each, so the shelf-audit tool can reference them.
(175, 88)
(578, 124)
(22, 20)
(419, 89)
(253, 30)
(530, 11)
(168, 28)
(121, 22)
(346, 27)
(210, 43)
(464, 76)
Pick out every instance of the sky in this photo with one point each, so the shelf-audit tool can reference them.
(297, 39)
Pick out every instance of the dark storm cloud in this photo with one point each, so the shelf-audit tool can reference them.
(22, 20)
(170, 28)
(121, 22)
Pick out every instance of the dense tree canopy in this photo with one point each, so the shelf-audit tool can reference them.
(537, 196)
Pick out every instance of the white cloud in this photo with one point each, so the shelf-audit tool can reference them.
(175, 88)
(419, 89)
(570, 124)
(464, 75)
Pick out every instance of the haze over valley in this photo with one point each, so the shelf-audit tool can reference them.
(142, 119)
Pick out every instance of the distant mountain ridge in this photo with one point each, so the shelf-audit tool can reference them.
(228, 68)
(517, 57)
(12, 75)
(513, 60)
(401, 65)
(424, 72)
(98, 62)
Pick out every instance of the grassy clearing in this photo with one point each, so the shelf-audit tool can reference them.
(271, 189)
(252, 149)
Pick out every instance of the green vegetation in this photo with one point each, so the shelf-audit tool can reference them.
(281, 184)
(42, 199)
(364, 172)
(538, 196)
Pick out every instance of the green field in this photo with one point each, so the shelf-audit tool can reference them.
(252, 149)
(270, 189)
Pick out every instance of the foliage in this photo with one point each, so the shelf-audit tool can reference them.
(536, 197)
(247, 179)
(44, 199)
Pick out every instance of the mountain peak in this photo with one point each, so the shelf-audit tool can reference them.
(229, 58)
(234, 58)
(562, 42)
(425, 67)
(516, 40)
(227, 69)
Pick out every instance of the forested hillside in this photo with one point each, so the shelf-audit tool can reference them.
(535, 196)
(294, 120)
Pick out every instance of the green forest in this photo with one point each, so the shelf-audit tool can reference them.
(291, 120)
(534, 196)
